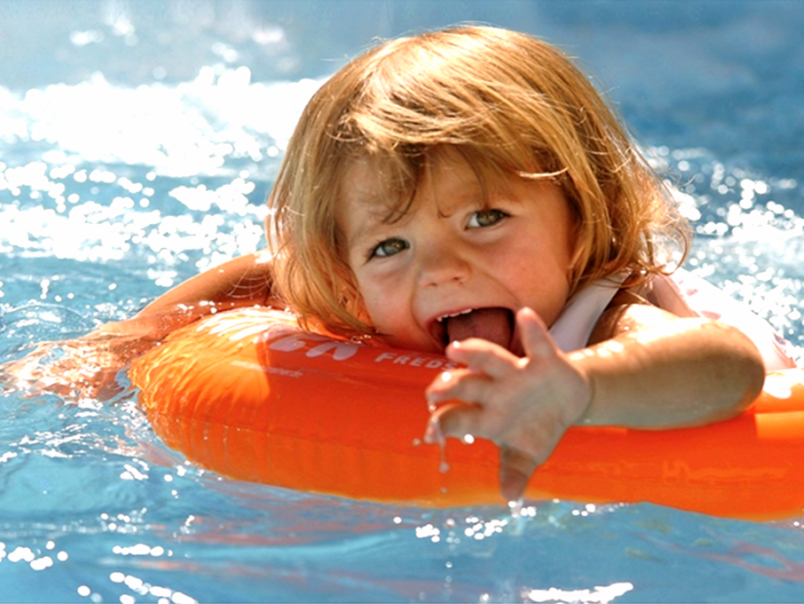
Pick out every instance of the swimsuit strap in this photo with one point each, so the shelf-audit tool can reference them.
(574, 325)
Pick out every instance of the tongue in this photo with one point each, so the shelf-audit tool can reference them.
(492, 324)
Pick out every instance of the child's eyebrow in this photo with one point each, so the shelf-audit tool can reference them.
(361, 228)
(364, 224)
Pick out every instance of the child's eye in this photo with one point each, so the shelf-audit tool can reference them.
(486, 218)
(389, 247)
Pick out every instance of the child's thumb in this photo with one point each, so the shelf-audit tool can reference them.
(515, 472)
(536, 339)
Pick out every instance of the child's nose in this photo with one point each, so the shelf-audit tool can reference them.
(443, 263)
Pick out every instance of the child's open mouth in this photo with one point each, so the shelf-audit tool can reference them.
(493, 324)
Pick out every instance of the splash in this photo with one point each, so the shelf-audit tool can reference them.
(598, 595)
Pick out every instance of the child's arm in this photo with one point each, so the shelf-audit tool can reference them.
(646, 369)
(243, 281)
(87, 367)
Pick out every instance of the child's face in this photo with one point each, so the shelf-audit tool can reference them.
(450, 256)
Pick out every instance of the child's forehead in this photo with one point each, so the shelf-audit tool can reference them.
(365, 181)
(381, 186)
(370, 206)
(362, 198)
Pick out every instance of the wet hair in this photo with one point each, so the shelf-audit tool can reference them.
(509, 104)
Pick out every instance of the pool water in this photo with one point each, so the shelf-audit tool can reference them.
(137, 144)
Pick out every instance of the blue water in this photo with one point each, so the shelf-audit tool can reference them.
(137, 143)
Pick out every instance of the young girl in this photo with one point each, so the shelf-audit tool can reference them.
(469, 192)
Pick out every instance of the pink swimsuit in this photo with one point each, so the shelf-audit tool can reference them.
(682, 294)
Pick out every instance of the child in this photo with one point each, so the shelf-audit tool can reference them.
(469, 192)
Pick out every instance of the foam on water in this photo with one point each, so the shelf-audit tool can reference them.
(161, 180)
(184, 130)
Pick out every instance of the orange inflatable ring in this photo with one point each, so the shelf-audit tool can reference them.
(249, 395)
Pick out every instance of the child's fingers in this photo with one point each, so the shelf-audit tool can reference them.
(459, 421)
(461, 384)
(455, 420)
(483, 356)
(515, 472)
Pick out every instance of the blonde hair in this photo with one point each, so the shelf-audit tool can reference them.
(506, 102)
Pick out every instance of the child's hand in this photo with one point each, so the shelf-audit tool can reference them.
(87, 367)
(76, 370)
(522, 404)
